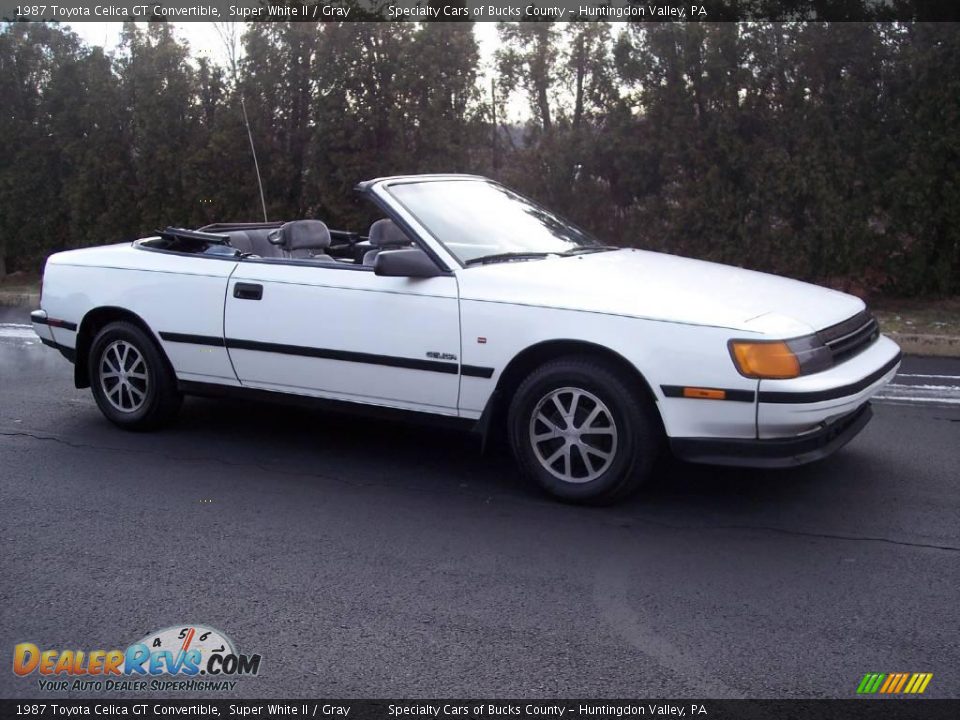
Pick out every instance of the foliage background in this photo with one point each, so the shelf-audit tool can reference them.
(823, 151)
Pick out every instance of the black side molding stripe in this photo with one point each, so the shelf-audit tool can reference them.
(345, 355)
(72, 327)
(676, 391)
(192, 339)
(476, 371)
(815, 396)
(448, 368)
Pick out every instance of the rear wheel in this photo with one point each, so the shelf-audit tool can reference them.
(583, 431)
(131, 382)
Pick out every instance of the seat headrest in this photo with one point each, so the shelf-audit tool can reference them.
(304, 235)
(241, 241)
(385, 233)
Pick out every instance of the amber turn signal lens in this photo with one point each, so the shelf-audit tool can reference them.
(704, 393)
(771, 360)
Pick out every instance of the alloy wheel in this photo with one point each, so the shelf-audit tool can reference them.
(123, 376)
(573, 434)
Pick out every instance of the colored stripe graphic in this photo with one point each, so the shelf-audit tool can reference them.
(918, 683)
(870, 683)
(902, 682)
(894, 683)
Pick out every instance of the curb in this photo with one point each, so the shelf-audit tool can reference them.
(935, 345)
(19, 299)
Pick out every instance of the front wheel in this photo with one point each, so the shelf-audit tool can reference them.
(583, 430)
(131, 382)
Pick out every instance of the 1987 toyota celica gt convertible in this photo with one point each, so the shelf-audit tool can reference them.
(470, 302)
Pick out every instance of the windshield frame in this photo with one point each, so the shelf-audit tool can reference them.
(473, 262)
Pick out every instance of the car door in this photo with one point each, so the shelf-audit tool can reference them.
(339, 331)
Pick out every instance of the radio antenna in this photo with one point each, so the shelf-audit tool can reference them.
(253, 150)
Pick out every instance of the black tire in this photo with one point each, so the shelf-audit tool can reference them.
(144, 403)
(606, 466)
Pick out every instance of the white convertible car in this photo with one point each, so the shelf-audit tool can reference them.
(471, 303)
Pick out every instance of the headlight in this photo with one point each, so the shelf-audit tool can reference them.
(780, 359)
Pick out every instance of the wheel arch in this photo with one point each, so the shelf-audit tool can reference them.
(94, 321)
(493, 419)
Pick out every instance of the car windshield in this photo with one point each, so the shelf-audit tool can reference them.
(480, 221)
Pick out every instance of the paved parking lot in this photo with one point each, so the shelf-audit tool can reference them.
(364, 558)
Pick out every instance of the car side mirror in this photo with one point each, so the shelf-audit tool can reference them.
(410, 262)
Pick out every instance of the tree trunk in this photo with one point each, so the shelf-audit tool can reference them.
(495, 145)
(581, 71)
(544, 105)
(541, 77)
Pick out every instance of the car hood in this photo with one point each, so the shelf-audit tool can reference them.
(665, 287)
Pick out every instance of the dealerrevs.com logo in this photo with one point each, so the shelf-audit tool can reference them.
(183, 657)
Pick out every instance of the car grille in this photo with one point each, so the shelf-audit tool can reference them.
(850, 337)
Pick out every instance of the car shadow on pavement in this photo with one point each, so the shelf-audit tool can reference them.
(426, 457)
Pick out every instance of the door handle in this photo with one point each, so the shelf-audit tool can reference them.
(247, 291)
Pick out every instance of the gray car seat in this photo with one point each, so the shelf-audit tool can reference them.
(260, 239)
(254, 242)
(384, 235)
(303, 239)
(241, 241)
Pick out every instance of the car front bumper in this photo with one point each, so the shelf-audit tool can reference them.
(774, 452)
(793, 408)
(803, 419)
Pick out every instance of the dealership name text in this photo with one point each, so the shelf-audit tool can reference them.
(546, 710)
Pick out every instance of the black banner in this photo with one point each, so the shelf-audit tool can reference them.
(854, 709)
(481, 10)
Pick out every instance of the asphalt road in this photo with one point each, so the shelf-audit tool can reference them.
(364, 558)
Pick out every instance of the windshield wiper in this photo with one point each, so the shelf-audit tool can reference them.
(589, 249)
(507, 256)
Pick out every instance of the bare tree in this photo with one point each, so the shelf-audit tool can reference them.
(230, 37)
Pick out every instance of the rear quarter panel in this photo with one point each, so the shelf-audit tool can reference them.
(171, 293)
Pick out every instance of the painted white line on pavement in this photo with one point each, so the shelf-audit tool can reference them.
(920, 394)
(948, 388)
(16, 330)
(906, 400)
(930, 377)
